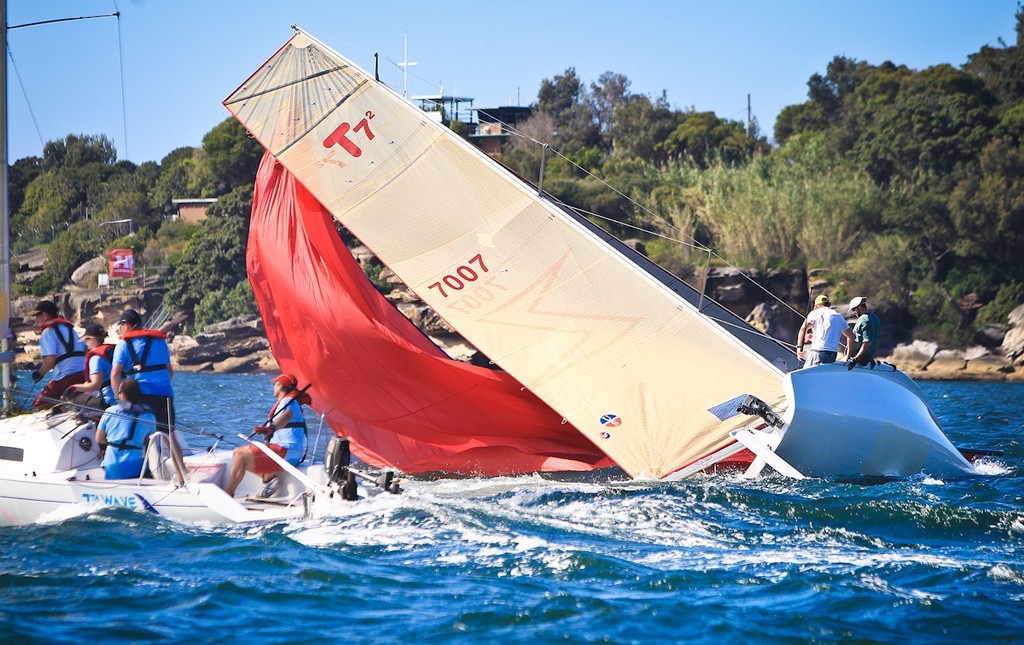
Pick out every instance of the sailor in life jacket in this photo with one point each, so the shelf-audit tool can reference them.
(95, 394)
(143, 355)
(122, 433)
(63, 352)
(285, 430)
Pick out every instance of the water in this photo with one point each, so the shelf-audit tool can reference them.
(709, 560)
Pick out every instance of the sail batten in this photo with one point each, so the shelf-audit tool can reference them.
(611, 347)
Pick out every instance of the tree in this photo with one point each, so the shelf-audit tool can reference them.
(214, 260)
(702, 137)
(231, 156)
(987, 209)
(922, 128)
(566, 99)
(640, 126)
(1002, 68)
(76, 151)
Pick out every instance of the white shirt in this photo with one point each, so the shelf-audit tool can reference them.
(828, 329)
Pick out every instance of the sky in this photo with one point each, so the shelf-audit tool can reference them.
(152, 80)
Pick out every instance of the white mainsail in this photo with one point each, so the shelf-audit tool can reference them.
(632, 365)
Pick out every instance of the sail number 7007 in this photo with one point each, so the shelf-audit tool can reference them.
(464, 274)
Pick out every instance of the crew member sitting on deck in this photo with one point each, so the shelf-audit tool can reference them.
(122, 432)
(63, 352)
(96, 393)
(285, 430)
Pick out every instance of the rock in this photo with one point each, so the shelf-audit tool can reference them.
(773, 319)
(947, 363)
(742, 291)
(988, 365)
(989, 336)
(913, 357)
(85, 275)
(425, 318)
(1013, 341)
(26, 267)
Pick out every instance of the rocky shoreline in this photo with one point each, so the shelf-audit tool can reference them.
(240, 345)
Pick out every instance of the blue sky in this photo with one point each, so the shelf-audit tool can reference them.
(153, 80)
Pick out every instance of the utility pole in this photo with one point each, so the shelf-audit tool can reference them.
(405, 64)
(750, 120)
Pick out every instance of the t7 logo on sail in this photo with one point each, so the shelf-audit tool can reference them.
(341, 135)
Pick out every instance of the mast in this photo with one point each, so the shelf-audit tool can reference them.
(6, 355)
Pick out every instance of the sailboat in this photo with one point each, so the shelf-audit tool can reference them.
(604, 357)
(50, 460)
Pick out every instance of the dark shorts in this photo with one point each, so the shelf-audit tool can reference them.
(264, 464)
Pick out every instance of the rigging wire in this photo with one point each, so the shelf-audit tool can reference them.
(116, 14)
(24, 93)
(120, 59)
(692, 243)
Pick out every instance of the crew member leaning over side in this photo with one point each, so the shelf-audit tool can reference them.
(285, 431)
(62, 351)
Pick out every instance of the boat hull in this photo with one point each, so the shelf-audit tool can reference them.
(863, 423)
(50, 470)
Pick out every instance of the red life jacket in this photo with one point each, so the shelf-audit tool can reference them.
(107, 352)
(140, 363)
(138, 333)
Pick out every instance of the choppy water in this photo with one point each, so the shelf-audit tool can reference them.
(708, 560)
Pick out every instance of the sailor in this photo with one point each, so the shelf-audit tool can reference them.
(123, 430)
(95, 392)
(866, 332)
(285, 431)
(828, 329)
(143, 355)
(62, 351)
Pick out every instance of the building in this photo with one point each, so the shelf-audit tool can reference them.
(493, 132)
(191, 210)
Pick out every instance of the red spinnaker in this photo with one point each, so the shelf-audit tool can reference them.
(403, 403)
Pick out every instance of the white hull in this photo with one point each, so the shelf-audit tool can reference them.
(863, 423)
(49, 469)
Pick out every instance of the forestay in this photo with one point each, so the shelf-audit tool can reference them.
(629, 363)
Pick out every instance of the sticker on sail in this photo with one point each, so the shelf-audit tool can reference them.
(728, 408)
(611, 421)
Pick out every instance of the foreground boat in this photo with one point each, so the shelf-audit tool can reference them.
(50, 468)
(638, 367)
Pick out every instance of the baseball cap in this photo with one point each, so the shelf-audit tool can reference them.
(287, 380)
(822, 300)
(45, 307)
(131, 317)
(93, 330)
(858, 301)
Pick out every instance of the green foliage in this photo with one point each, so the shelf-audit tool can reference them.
(232, 156)
(213, 261)
(69, 250)
(224, 303)
(1007, 298)
(167, 247)
(79, 151)
(987, 209)
(937, 317)
(566, 99)
(702, 137)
